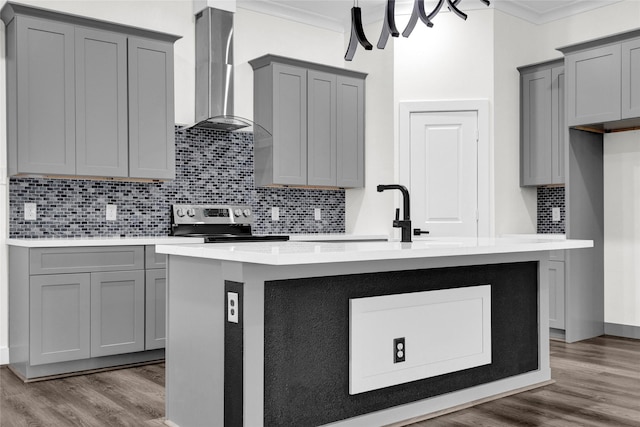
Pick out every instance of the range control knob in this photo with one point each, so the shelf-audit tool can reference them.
(191, 212)
(180, 212)
(237, 212)
(247, 212)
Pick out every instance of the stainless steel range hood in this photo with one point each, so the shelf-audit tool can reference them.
(214, 72)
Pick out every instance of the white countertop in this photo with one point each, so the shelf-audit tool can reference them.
(296, 253)
(101, 241)
(328, 237)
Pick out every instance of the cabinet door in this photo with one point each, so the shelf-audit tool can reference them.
(536, 128)
(321, 143)
(556, 294)
(45, 97)
(289, 125)
(594, 85)
(101, 103)
(631, 79)
(558, 125)
(59, 318)
(117, 312)
(156, 308)
(350, 132)
(151, 110)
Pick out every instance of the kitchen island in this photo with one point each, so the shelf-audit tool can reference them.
(353, 333)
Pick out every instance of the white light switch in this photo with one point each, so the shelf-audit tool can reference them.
(317, 213)
(112, 212)
(275, 214)
(30, 211)
(555, 214)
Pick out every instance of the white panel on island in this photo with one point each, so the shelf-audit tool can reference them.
(394, 339)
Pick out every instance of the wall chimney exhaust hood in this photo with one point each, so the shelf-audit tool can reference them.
(214, 73)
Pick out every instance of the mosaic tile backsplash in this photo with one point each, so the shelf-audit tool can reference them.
(211, 167)
(550, 197)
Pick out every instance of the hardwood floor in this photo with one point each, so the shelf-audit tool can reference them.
(597, 385)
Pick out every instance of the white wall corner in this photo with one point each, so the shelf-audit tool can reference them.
(4, 356)
(228, 5)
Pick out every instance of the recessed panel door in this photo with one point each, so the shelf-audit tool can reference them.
(444, 172)
(117, 312)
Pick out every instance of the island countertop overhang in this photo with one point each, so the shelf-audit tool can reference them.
(298, 253)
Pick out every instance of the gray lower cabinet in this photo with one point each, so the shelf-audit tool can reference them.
(78, 308)
(156, 309)
(314, 115)
(59, 315)
(117, 312)
(86, 97)
(155, 299)
(556, 295)
(543, 129)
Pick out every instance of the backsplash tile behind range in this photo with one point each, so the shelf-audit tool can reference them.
(548, 198)
(211, 167)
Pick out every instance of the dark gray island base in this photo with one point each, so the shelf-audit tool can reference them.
(292, 360)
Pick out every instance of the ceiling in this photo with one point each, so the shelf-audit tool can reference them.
(335, 14)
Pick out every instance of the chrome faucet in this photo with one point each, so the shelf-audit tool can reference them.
(404, 224)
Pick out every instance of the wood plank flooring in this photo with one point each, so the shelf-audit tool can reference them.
(597, 385)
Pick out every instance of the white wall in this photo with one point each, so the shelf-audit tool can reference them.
(622, 228)
(367, 211)
(256, 34)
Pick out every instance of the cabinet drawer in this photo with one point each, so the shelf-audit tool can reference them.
(85, 259)
(153, 259)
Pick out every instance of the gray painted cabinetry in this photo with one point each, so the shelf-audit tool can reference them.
(556, 291)
(542, 124)
(71, 307)
(603, 81)
(315, 117)
(87, 97)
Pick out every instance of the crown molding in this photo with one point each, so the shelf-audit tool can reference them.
(560, 10)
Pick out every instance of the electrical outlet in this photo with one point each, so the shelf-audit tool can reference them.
(112, 212)
(399, 350)
(275, 214)
(30, 211)
(555, 214)
(317, 213)
(232, 307)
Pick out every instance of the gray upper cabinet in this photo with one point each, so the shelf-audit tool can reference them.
(631, 79)
(289, 125)
(314, 115)
(40, 73)
(542, 124)
(151, 109)
(350, 128)
(87, 97)
(101, 103)
(603, 82)
(322, 134)
(593, 91)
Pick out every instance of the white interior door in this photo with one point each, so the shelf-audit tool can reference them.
(444, 172)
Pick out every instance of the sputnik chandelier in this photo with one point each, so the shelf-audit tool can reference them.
(389, 23)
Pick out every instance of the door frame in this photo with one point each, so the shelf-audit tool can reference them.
(481, 107)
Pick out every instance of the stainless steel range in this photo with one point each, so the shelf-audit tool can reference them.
(217, 223)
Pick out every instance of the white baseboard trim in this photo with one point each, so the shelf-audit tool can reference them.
(4, 356)
(625, 331)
